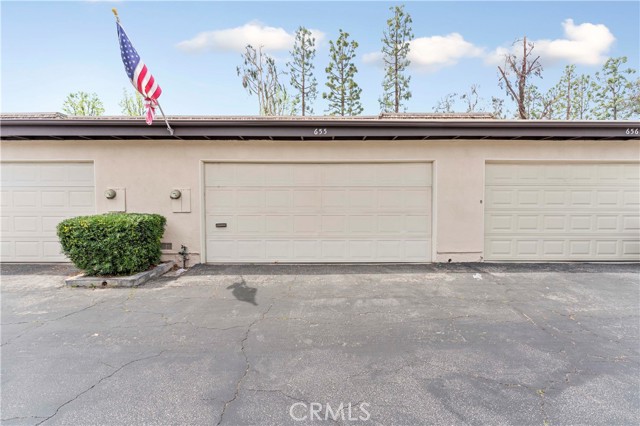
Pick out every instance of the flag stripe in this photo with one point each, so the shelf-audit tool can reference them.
(149, 85)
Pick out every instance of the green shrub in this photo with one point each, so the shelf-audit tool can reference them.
(113, 243)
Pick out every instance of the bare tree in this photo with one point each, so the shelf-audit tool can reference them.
(261, 77)
(472, 99)
(446, 103)
(515, 72)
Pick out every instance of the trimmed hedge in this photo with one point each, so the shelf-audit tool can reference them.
(112, 243)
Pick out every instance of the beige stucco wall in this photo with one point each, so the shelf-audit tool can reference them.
(149, 170)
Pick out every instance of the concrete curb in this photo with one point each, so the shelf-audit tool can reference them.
(129, 281)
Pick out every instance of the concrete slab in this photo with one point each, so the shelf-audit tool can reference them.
(135, 280)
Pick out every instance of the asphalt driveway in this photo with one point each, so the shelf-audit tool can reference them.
(432, 344)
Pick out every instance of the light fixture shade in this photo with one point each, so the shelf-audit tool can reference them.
(175, 194)
(110, 194)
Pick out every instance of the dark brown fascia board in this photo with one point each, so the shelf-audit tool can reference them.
(297, 129)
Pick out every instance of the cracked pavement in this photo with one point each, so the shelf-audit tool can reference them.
(538, 344)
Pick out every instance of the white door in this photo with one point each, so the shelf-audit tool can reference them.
(560, 211)
(35, 198)
(318, 212)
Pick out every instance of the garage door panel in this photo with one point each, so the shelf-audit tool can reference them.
(569, 223)
(221, 249)
(319, 212)
(250, 249)
(279, 199)
(417, 199)
(81, 199)
(25, 199)
(366, 199)
(249, 224)
(594, 217)
(363, 224)
(309, 175)
(337, 249)
(631, 223)
(554, 223)
(49, 224)
(27, 249)
(334, 224)
(334, 198)
(36, 197)
(219, 199)
(278, 224)
(630, 248)
(308, 199)
(278, 249)
(631, 198)
(362, 250)
(631, 174)
(249, 198)
(27, 224)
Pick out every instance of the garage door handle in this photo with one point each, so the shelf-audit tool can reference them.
(221, 225)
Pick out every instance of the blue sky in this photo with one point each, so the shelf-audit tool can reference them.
(50, 49)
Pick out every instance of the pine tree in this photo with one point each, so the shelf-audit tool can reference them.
(344, 93)
(581, 98)
(541, 106)
(634, 99)
(497, 108)
(573, 96)
(612, 91)
(395, 48)
(301, 70)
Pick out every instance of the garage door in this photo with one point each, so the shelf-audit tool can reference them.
(318, 212)
(35, 197)
(562, 212)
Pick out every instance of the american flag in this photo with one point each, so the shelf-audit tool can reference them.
(138, 73)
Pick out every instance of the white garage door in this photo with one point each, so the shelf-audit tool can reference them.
(562, 212)
(35, 198)
(318, 212)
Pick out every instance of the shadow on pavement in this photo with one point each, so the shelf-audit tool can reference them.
(243, 292)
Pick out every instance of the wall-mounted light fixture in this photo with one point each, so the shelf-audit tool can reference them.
(175, 194)
(110, 194)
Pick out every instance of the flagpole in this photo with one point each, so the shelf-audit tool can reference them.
(165, 119)
(115, 13)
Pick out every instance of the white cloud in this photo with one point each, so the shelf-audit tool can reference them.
(372, 58)
(236, 39)
(432, 53)
(584, 44)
